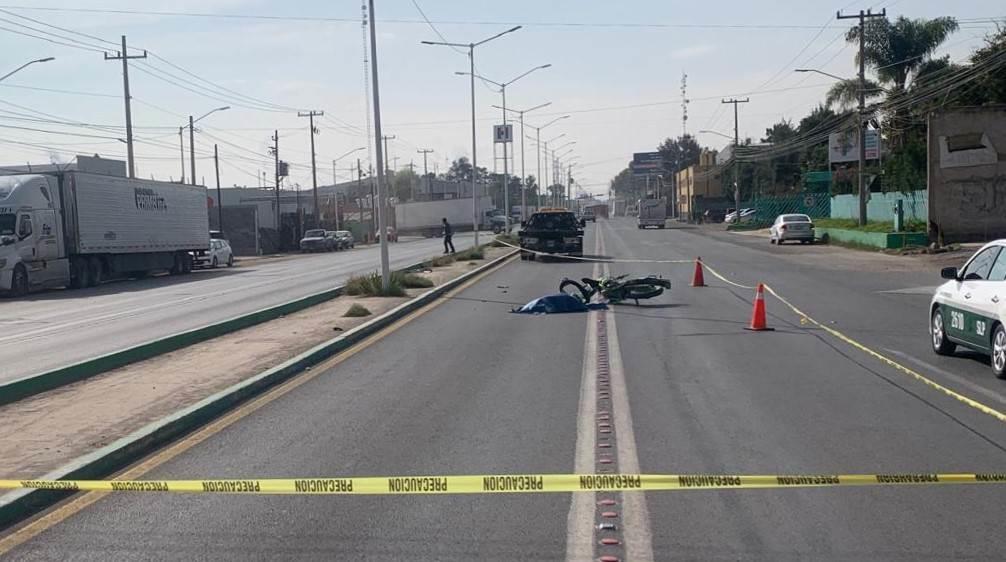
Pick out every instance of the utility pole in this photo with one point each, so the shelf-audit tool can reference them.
(381, 188)
(426, 170)
(192, 148)
(863, 190)
(123, 55)
(181, 147)
(220, 199)
(275, 152)
(737, 168)
(314, 166)
(384, 162)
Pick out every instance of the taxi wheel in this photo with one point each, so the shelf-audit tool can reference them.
(999, 352)
(941, 345)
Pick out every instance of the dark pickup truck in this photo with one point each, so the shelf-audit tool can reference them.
(551, 231)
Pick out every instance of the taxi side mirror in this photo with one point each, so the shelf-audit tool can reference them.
(523, 224)
(949, 273)
(583, 223)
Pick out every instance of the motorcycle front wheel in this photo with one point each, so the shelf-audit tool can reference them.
(571, 287)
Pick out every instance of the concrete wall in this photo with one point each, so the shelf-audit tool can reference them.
(967, 174)
(881, 206)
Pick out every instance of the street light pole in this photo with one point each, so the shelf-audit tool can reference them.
(192, 141)
(29, 63)
(381, 188)
(471, 60)
(523, 173)
(737, 169)
(506, 187)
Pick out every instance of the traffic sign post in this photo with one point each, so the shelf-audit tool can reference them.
(502, 133)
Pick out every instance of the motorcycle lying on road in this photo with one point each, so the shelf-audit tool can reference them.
(615, 289)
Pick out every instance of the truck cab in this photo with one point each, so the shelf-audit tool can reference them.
(551, 231)
(32, 253)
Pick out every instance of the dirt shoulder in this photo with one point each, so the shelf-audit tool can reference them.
(47, 431)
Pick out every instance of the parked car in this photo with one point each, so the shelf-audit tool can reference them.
(747, 215)
(316, 240)
(713, 215)
(219, 253)
(331, 235)
(791, 227)
(969, 310)
(345, 239)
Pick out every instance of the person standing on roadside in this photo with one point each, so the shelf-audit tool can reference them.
(448, 233)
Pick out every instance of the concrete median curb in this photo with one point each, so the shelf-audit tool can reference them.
(16, 506)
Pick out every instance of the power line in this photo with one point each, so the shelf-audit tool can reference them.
(528, 23)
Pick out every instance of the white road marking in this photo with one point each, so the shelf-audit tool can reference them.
(636, 516)
(580, 521)
(956, 378)
(929, 291)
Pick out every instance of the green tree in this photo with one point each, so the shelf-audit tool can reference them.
(403, 184)
(679, 153)
(623, 185)
(781, 131)
(896, 51)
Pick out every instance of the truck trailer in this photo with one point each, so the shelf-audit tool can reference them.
(75, 229)
(424, 218)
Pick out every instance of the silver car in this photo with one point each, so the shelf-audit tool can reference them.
(791, 227)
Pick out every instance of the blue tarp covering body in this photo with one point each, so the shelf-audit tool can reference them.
(556, 304)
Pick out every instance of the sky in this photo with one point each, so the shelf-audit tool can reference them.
(616, 71)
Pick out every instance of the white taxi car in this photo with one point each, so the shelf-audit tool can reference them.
(970, 309)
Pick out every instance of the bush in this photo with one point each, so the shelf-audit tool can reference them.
(371, 285)
(357, 311)
(470, 254)
(441, 261)
(413, 281)
(871, 226)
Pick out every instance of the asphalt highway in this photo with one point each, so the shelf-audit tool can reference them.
(467, 388)
(54, 329)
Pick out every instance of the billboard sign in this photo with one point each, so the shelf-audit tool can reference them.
(647, 163)
(844, 146)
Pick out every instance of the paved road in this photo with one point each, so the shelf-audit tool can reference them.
(467, 388)
(58, 328)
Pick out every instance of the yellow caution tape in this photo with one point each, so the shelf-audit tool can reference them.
(507, 483)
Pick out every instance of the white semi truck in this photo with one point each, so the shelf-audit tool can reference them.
(74, 229)
(424, 218)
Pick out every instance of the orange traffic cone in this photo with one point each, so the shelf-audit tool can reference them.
(758, 322)
(698, 279)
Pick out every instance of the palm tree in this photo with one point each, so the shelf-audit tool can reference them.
(897, 52)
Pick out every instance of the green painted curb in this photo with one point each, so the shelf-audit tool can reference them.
(20, 504)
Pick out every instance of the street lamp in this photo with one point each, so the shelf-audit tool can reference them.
(716, 133)
(335, 181)
(502, 86)
(523, 174)
(861, 129)
(537, 142)
(471, 60)
(192, 141)
(29, 63)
